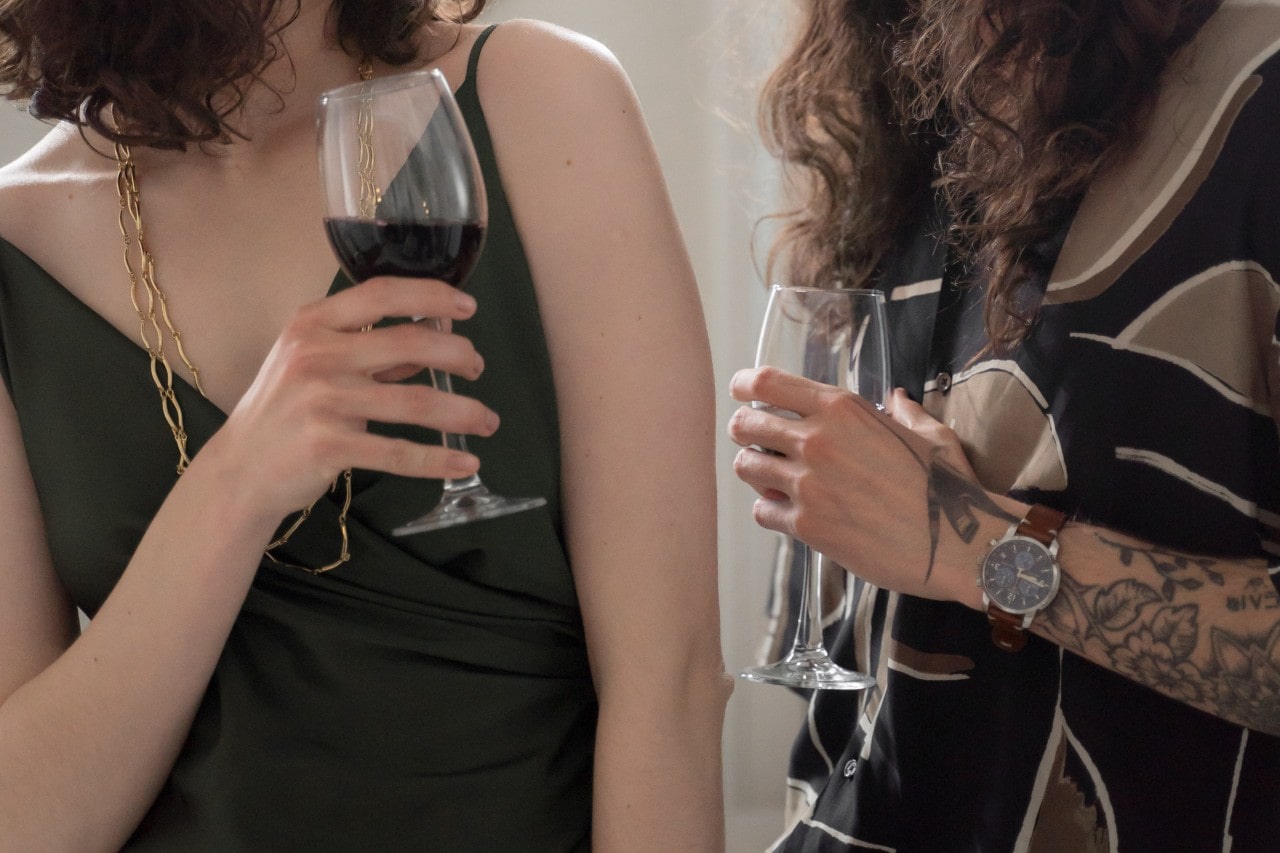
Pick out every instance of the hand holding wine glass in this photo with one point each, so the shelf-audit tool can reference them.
(837, 337)
(404, 196)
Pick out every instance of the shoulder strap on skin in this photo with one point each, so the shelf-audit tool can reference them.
(474, 59)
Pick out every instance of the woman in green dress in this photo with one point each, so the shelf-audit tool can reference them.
(549, 681)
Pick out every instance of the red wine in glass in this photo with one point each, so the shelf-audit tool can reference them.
(436, 248)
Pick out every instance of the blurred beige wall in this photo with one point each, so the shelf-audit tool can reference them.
(18, 131)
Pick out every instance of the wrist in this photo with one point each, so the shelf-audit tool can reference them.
(1019, 576)
(226, 485)
(966, 580)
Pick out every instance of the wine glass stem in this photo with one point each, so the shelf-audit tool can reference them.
(441, 380)
(809, 627)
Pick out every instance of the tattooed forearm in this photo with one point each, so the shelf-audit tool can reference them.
(1155, 634)
(1178, 570)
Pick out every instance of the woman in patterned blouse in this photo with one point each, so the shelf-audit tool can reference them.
(1073, 209)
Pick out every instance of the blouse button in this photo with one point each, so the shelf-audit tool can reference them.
(943, 382)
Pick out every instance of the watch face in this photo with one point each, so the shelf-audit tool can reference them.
(1019, 575)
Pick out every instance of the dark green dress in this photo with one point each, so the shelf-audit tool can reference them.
(433, 693)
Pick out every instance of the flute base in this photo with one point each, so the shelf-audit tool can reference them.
(809, 670)
(475, 503)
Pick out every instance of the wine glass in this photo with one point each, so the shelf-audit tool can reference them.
(404, 196)
(837, 337)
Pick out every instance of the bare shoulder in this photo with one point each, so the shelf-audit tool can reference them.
(535, 62)
(43, 187)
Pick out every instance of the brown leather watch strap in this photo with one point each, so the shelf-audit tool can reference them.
(1006, 629)
(1042, 524)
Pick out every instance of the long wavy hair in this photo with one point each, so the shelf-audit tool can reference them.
(168, 73)
(1007, 108)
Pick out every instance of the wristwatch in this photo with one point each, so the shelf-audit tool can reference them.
(1020, 575)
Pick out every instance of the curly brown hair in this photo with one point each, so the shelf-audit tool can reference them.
(167, 73)
(1009, 108)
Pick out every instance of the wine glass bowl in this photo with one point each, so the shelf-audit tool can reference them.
(404, 196)
(837, 337)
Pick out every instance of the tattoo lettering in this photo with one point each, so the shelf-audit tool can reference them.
(1150, 637)
(1258, 595)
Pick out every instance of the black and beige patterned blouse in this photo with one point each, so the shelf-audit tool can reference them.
(1145, 400)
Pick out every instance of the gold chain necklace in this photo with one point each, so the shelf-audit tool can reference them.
(153, 310)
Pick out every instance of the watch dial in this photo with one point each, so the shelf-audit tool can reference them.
(1019, 575)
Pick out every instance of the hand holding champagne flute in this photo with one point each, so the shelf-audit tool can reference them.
(837, 337)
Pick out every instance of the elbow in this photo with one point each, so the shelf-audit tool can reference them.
(703, 691)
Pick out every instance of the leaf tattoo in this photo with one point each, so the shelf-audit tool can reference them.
(951, 493)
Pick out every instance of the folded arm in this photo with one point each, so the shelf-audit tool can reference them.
(895, 497)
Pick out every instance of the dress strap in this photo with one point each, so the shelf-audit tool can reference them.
(474, 59)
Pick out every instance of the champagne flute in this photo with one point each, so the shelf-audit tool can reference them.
(404, 196)
(837, 337)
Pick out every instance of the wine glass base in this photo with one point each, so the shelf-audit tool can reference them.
(809, 670)
(467, 505)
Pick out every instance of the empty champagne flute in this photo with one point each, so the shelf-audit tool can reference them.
(837, 337)
(404, 196)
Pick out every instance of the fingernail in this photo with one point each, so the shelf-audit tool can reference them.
(466, 304)
(479, 368)
(491, 421)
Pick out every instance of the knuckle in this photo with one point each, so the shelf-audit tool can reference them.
(808, 488)
(402, 403)
(305, 357)
(302, 318)
(763, 377)
(802, 486)
(317, 446)
(403, 456)
(377, 289)
(841, 403)
(321, 399)
(808, 443)
(802, 526)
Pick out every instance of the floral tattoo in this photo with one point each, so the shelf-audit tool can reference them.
(1151, 637)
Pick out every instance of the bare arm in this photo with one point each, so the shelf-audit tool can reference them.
(1199, 629)
(633, 379)
(89, 729)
